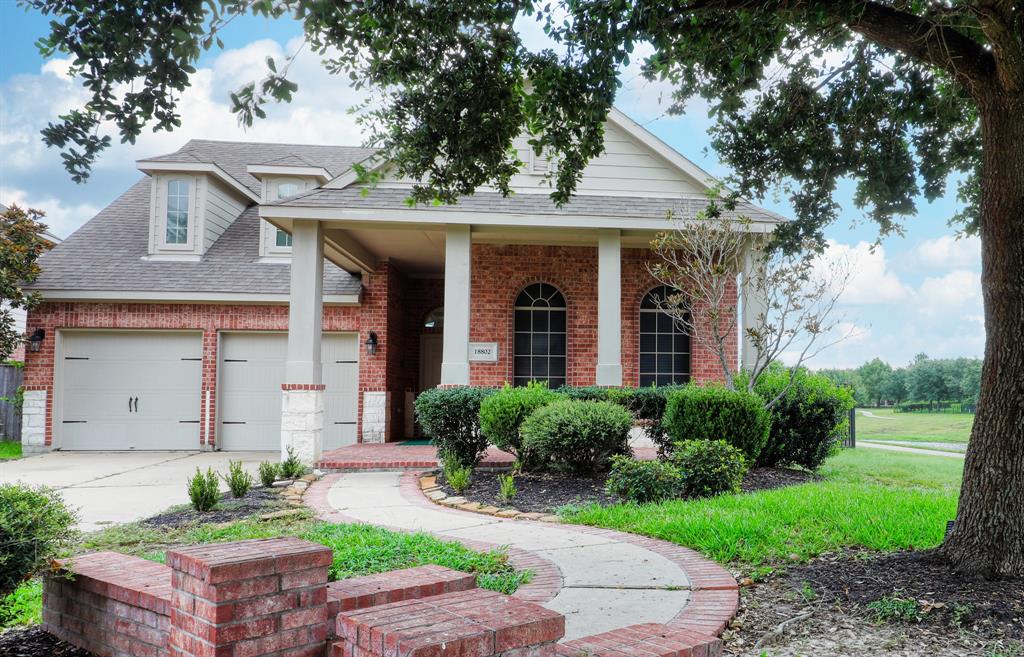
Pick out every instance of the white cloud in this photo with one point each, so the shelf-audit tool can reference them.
(947, 251)
(871, 281)
(950, 295)
(62, 218)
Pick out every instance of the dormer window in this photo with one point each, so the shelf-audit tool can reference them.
(176, 229)
(286, 189)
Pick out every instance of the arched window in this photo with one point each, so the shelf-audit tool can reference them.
(664, 345)
(539, 326)
(435, 320)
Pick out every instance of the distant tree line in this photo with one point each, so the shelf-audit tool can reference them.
(931, 380)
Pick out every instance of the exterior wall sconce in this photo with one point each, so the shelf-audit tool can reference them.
(35, 341)
(371, 343)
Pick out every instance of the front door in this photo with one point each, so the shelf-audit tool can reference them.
(430, 360)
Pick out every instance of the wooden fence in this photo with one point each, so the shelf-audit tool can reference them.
(10, 414)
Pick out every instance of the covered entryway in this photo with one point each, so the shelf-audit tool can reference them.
(129, 390)
(252, 370)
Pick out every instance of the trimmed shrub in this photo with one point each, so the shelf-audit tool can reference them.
(807, 423)
(238, 480)
(502, 413)
(291, 467)
(716, 413)
(709, 467)
(203, 490)
(508, 491)
(580, 436)
(644, 481)
(586, 393)
(36, 527)
(458, 476)
(268, 473)
(451, 417)
(647, 405)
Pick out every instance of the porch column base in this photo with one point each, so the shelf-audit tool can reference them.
(302, 421)
(609, 374)
(375, 417)
(33, 422)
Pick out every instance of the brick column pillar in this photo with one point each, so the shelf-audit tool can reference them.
(249, 599)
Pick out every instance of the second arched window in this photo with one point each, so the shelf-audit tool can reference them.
(539, 347)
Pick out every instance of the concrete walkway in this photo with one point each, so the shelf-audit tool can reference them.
(608, 580)
(908, 450)
(115, 487)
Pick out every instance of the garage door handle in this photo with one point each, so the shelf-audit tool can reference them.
(136, 404)
(226, 422)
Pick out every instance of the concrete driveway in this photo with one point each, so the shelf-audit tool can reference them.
(114, 487)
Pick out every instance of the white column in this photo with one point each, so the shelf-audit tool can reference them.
(752, 307)
(609, 308)
(457, 269)
(302, 403)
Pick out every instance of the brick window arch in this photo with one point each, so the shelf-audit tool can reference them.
(664, 345)
(539, 347)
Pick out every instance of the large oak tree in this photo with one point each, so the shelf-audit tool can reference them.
(900, 96)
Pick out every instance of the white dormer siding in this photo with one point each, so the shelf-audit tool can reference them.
(274, 242)
(188, 213)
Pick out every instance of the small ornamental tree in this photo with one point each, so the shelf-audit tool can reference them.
(21, 244)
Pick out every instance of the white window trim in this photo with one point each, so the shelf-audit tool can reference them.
(269, 250)
(158, 215)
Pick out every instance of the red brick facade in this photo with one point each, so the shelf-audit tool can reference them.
(394, 307)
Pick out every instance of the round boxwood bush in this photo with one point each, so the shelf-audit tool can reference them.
(709, 467)
(717, 413)
(35, 528)
(644, 481)
(808, 420)
(451, 417)
(502, 414)
(580, 436)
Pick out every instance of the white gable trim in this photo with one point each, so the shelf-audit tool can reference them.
(265, 170)
(372, 163)
(149, 166)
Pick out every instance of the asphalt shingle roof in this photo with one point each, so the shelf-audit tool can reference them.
(106, 254)
(493, 202)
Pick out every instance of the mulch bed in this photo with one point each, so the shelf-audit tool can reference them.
(822, 608)
(34, 642)
(546, 492)
(258, 500)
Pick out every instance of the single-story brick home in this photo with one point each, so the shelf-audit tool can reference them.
(251, 296)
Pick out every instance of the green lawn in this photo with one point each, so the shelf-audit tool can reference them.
(10, 449)
(917, 427)
(871, 500)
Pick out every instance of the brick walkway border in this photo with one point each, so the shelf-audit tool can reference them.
(714, 594)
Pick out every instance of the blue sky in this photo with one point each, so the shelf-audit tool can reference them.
(915, 293)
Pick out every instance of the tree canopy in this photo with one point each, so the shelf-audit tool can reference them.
(21, 244)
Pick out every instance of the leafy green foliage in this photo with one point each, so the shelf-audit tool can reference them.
(291, 467)
(238, 480)
(23, 606)
(35, 528)
(507, 488)
(10, 449)
(929, 380)
(581, 436)
(21, 244)
(894, 608)
(451, 417)
(502, 413)
(646, 404)
(203, 490)
(809, 418)
(458, 476)
(644, 481)
(268, 473)
(716, 413)
(709, 467)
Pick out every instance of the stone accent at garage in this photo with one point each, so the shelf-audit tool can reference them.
(302, 421)
(33, 422)
(375, 416)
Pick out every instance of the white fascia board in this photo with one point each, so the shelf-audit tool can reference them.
(143, 296)
(372, 163)
(149, 166)
(416, 217)
(262, 170)
(649, 139)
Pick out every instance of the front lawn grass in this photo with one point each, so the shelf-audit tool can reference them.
(870, 500)
(10, 449)
(915, 427)
(358, 550)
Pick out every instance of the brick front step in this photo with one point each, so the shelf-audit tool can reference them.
(646, 640)
(395, 586)
(473, 623)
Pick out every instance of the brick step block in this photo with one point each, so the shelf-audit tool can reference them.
(473, 623)
(644, 640)
(395, 586)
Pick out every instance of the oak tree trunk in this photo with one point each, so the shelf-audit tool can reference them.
(988, 537)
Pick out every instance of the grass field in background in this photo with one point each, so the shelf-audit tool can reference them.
(878, 501)
(10, 449)
(916, 427)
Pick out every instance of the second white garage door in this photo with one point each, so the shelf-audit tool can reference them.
(251, 374)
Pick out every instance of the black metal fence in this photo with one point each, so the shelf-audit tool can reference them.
(851, 434)
(10, 413)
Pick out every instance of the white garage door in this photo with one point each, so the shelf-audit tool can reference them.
(249, 390)
(130, 390)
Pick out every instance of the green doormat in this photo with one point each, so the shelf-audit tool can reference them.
(416, 441)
